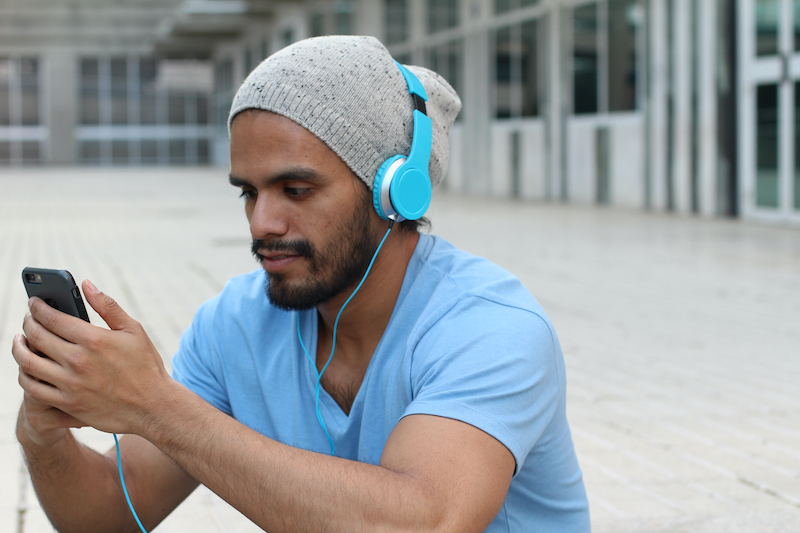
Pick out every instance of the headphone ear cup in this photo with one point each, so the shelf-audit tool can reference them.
(379, 200)
(410, 191)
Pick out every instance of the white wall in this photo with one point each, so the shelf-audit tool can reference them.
(532, 158)
(454, 179)
(499, 179)
(626, 159)
(627, 149)
(581, 159)
(533, 161)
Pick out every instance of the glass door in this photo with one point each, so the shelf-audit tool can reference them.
(769, 111)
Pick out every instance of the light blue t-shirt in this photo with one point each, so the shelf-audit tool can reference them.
(465, 341)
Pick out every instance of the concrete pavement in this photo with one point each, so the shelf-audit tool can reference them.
(681, 335)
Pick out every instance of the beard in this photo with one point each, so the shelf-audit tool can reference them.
(332, 269)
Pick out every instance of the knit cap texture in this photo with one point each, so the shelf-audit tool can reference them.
(348, 92)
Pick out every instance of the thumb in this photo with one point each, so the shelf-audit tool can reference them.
(108, 309)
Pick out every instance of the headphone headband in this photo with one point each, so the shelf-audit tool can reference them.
(402, 188)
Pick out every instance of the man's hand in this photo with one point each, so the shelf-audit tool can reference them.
(108, 379)
(43, 424)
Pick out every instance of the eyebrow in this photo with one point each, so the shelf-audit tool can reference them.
(291, 174)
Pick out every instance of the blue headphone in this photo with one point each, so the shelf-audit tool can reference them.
(402, 187)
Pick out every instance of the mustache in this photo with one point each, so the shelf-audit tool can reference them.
(298, 246)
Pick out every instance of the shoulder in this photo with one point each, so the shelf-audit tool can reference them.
(233, 322)
(241, 310)
(242, 292)
(459, 307)
(248, 288)
(454, 278)
(471, 311)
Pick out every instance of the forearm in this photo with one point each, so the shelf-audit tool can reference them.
(282, 488)
(76, 486)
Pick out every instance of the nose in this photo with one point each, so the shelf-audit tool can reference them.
(266, 218)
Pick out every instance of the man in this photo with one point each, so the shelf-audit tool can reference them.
(432, 399)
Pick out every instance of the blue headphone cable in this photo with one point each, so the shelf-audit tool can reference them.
(125, 489)
(333, 346)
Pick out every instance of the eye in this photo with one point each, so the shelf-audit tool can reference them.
(248, 194)
(295, 192)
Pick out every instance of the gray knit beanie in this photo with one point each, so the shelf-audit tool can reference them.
(348, 92)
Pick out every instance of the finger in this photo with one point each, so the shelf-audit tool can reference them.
(37, 367)
(45, 425)
(66, 326)
(45, 417)
(40, 338)
(108, 309)
(40, 391)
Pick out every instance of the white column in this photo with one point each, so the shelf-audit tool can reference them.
(476, 108)
(707, 40)
(555, 102)
(417, 28)
(657, 104)
(682, 106)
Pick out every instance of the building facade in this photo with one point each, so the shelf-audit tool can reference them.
(676, 105)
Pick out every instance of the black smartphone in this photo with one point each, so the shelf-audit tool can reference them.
(57, 288)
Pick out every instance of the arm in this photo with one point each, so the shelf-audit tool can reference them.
(79, 489)
(435, 474)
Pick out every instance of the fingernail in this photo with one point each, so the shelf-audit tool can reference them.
(30, 302)
(91, 287)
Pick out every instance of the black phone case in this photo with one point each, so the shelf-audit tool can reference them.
(57, 288)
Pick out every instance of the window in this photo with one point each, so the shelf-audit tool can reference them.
(90, 90)
(248, 61)
(442, 15)
(148, 100)
(223, 92)
(766, 27)
(317, 24)
(796, 25)
(516, 91)
(396, 21)
(119, 90)
(29, 91)
(20, 111)
(287, 37)
(264, 48)
(447, 61)
(6, 74)
(403, 59)
(767, 146)
(502, 6)
(343, 17)
(624, 19)
(168, 101)
(176, 107)
(605, 56)
(585, 60)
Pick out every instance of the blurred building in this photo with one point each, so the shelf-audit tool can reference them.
(683, 105)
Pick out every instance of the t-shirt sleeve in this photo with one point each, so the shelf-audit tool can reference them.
(197, 364)
(493, 366)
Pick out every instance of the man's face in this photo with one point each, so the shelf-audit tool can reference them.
(311, 219)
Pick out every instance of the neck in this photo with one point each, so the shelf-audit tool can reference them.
(366, 316)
